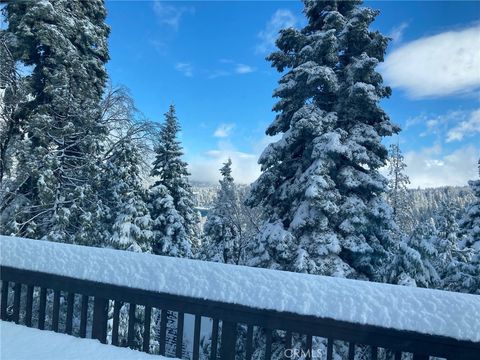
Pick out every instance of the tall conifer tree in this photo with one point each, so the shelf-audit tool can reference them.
(54, 196)
(175, 221)
(397, 188)
(320, 184)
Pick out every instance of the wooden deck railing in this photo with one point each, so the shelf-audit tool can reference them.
(226, 317)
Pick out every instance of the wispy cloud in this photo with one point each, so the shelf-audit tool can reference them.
(229, 67)
(244, 69)
(224, 130)
(281, 19)
(170, 14)
(397, 32)
(466, 128)
(185, 68)
(435, 66)
(213, 74)
(454, 125)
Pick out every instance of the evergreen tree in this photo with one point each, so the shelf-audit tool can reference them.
(447, 235)
(470, 224)
(175, 221)
(413, 263)
(320, 185)
(221, 231)
(463, 274)
(128, 220)
(54, 197)
(397, 188)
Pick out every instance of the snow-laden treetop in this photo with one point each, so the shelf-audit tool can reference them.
(404, 308)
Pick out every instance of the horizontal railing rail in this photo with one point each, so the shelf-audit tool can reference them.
(226, 318)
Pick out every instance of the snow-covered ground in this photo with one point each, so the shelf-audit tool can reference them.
(404, 308)
(22, 343)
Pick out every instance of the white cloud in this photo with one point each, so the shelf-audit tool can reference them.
(430, 168)
(469, 127)
(244, 69)
(224, 130)
(245, 168)
(397, 32)
(169, 14)
(281, 19)
(185, 68)
(205, 167)
(439, 65)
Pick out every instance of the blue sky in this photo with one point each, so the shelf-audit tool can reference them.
(209, 59)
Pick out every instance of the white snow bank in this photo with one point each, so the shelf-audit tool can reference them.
(22, 343)
(404, 308)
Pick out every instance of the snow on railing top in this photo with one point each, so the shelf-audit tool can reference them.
(425, 311)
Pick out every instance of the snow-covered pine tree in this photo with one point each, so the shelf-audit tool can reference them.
(13, 93)
(453, 260)
(169, 236)
(470, 224)
(320, 185)
(463, 274)
(222, 228)
(61, 135)
(128, 219)
(447, 235)
(175, 221)
(413, 262)
(398, 195)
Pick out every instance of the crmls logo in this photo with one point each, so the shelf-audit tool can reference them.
(300, 353)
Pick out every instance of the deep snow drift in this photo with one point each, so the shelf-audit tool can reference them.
(23, 343)
(404, 308)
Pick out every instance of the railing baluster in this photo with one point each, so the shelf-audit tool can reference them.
(69, 319)
(100, 318)
(163, 331)
(374, 353)
(288, 344)
(3, 310)
(249, 349)
(329, 349)
(116, 321)
(268, 344)
(29, 306)
(214, 344)
(146, 329)
(42, 308)
(83, 316)
(229, 336)
(196, 337)
(56, 310)
(17, 291)
(131, 325)
(179, 345)
(309, 347)
(351, 351)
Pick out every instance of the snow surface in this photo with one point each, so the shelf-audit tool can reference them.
(404, 308)
(22, 343)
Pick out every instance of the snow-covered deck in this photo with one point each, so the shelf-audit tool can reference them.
(424, 311)
(23, 343)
